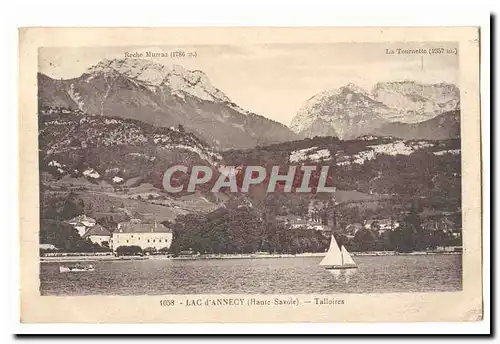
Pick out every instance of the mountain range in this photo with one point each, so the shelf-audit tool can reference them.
(162, 96)
(400, 109)
(166, 96)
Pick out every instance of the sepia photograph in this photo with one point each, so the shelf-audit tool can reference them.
(383, 119)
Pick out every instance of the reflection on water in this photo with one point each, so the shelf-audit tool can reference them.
(342, 275)
(251, 276)
(348, 273)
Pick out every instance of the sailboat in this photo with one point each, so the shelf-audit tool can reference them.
(337, 258)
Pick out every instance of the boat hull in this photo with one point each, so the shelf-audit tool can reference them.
(66, 269)
(340, 267)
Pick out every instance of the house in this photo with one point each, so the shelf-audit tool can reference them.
(448, 226)
(295, 222)
(298, 223)
(144, 235)
(98, 235)
(353, 228)
(82, 223)
(321, 211)
(381, 224)
(449, 249)
(47, 247)
(120, 188)
(117, 217)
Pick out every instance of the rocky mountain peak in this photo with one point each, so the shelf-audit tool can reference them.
(143, 70)
(180, 80)
(346, 112)
(350, 111)
(416, 102)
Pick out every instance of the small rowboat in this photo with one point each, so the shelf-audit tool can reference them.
(77, 268)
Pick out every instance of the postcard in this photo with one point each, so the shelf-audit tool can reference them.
(186, 175)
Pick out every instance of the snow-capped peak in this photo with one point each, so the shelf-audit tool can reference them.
(351, 111)
(194, 83)
(180, 80)
(335, 112)
(146, 71)
(417, 102)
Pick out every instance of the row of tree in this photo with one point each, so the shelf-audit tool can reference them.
(409, 236)
(134, 250)
(245, 230)
(241, 230)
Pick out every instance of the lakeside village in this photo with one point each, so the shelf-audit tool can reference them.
(242, 231)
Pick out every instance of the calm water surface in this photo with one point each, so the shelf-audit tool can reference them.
(376, 274)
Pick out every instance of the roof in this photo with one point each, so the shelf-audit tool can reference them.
(381, 221)
(81, 218)
(354, 225)
(301, 222)
(113, 215)
(290, 218)
(47, 247)
(97, 230)
(142, 228)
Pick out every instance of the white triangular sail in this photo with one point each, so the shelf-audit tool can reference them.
(333, 256)
(346, 256)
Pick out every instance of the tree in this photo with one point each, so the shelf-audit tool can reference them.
(409, 236)
(132, 250)
(164, 250)
(375, 226)
(364, 240)
(107, 222)
(149, 250)
(60, 207)
(63, 236)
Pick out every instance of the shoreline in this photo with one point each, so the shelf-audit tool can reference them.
(65, 259)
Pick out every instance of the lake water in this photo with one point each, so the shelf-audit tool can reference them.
(300, 275)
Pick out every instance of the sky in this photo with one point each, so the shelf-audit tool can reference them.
(275, 80)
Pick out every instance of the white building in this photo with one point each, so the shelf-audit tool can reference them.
(383, 224)
(144, 235)
(98, 235)
(296, 222)
(48, 247)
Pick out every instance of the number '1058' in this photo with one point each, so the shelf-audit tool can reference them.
(166, 303)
